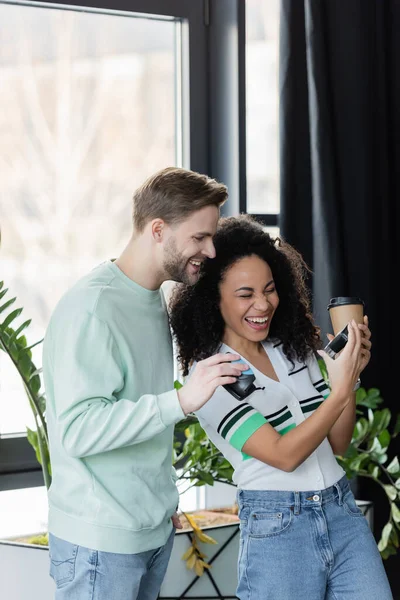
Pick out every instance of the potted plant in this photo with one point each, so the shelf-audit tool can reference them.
(368, 456)
(13, 342)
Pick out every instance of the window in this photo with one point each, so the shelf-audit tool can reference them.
(87, 112)
(93, 101)
(262, 119)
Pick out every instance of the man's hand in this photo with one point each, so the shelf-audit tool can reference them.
(176, 522)
(206, 377)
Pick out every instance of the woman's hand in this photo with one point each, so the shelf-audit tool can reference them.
(345, 369)
(365, 343)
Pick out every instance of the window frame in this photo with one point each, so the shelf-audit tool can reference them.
(227, 69)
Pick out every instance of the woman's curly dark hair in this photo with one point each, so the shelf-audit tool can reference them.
(195, 316)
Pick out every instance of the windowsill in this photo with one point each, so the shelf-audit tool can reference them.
(24, 511)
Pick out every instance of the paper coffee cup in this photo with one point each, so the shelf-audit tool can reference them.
(343, 309)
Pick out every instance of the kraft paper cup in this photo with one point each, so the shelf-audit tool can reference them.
(343, 309)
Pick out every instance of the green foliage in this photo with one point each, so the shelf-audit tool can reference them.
(368, 456)
(39, 540)
(202, 463)
(14, 344)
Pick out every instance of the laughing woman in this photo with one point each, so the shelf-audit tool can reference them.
(302, 534)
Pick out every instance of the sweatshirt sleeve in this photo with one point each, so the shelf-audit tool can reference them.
(87, 376)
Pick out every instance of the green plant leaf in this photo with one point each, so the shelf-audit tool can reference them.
(184, 424)
(25, 366)
(33, 439)
(395, 513)
(7, 304)
(13, 315)
(396, 430)
(371, 399)
(375, 447)
(323, 369)
(16, 333)
(386, 531)
(394, 466)
(35, 384)
(361, 429)
(344, 464)
(29, 348)
(351, 452)
(3, 292)
(377, 452)
(356, 463)
(371, 416)
(374, 470)
(35, 372)
(380, 422)
(394, 538)
(207, 477)
(382, 458)
(41, 400)
(34, 442)
(177, 385)
(391, 491)
(361, 395)
(21, 342)
(389, 550)
(384, 438)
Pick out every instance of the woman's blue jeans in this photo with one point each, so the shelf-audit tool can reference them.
(314, 545)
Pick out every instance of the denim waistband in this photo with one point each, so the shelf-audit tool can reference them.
(311, 497)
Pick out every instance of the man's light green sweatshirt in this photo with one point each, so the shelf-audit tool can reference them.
(108, 366)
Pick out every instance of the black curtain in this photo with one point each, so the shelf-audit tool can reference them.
(340, 168)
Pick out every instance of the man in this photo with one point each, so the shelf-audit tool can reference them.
(108, 366)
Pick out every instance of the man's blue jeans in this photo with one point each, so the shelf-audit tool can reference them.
(313, 545)
(84, 574)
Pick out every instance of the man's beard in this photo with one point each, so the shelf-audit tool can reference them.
(175, 264)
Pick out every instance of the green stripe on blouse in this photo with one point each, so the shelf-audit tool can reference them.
(246, 430)
(246, 456)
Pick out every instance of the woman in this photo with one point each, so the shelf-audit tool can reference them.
(302, 534)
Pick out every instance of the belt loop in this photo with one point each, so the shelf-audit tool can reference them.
(296, 503)
(339, 493)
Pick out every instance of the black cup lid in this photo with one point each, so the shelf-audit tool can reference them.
(343, 300)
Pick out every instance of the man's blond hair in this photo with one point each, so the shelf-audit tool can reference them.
(173, 194)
